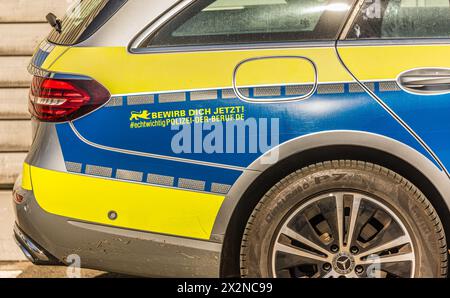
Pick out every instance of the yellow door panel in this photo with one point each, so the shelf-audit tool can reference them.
(388, 62)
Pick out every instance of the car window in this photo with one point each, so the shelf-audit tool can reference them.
(82, 19)
(387, 19)
(240, 21)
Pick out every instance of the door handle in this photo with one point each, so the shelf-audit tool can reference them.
(431, 81)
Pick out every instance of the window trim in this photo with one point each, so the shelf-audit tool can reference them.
(351, 19)
(135, 46)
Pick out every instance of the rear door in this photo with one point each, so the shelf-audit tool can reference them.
(401, 49)
(270, 51)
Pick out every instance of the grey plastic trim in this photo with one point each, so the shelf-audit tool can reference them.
(191, 184)
(220, 188)
(388, 86)
(140, 100)
(160, 179)
(172, 97)
(74, 167)
(129, 175)
(114, 102)
(116, 249)
(29, 244)
(331, 89)
(163, 239)
(323, 139)
(204, 95)
(99, 171)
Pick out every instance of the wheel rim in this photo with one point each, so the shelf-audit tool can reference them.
(343, 234)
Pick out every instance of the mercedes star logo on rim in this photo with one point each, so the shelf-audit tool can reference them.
(343, 263)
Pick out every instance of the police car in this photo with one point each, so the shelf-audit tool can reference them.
(250, 138)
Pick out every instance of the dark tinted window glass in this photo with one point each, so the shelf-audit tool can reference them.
(83, 18)
(402, 19)
(238, 21)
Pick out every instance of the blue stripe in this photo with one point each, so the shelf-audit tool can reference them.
(110, 126)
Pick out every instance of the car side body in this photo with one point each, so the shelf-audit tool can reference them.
(109, 187)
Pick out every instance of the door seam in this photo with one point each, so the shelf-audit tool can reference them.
(393, 114)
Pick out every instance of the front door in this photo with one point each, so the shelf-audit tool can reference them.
(401, 50)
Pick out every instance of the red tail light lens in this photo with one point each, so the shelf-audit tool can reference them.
(57, 100)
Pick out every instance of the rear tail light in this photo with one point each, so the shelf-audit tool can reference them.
(60, 100)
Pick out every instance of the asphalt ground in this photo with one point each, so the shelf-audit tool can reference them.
(28, 270)
(8, 248)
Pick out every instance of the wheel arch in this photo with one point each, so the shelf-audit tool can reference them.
(310, 149)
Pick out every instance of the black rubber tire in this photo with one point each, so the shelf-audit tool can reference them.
(409, 203)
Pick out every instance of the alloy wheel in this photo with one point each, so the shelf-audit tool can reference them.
(343, 234)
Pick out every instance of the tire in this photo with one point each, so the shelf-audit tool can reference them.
(388, 209)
